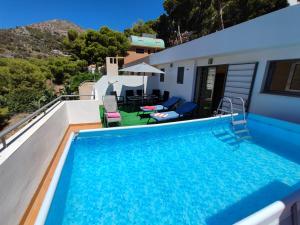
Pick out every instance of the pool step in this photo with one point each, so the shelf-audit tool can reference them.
(241, 131)
(244, 137)
(239, 122)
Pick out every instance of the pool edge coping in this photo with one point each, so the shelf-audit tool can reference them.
(44, 209)
(155, 125)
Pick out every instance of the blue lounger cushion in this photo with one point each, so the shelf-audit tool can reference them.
(181, 111)
(164, 106)
(171, 115)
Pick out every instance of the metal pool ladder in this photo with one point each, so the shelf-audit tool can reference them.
(239, 126)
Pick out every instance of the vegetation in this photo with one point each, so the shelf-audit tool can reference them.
(140, 28)
(63, 68)
(26, 84)
(75, 81)
(94, 46)
(185, 20)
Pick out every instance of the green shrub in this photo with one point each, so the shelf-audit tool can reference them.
(77, 79)
(4, 115)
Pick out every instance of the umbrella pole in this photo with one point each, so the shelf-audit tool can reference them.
(143, 89)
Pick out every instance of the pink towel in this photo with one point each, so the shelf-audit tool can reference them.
(150, 107)
(161, 115)
(113, 115)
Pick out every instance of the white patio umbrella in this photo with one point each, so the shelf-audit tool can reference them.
(144, 68)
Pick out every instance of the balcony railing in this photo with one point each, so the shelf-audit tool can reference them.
(41, 111)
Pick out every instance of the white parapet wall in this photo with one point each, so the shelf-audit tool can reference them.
(83, 111)
(24, 162)
(121, 83)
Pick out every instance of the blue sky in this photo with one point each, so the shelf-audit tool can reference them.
(117, 14)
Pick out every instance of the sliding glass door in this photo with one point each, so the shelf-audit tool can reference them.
(209, 88)
(204, 89)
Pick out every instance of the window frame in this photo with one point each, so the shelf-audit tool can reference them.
(291, 76)
(269, 75)
(177, 80)
(139, 51)
(162, 75)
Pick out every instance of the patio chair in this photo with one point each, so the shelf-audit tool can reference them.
(166, 96)
(184, 110)
(120, 99)
(156, 92)
(167, 105)
(128, 93)
(111, 113)
(139, 92)
(157, 96)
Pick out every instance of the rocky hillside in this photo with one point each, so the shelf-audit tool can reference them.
(38, 40)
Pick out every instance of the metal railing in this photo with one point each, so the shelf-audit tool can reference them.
(43, 110)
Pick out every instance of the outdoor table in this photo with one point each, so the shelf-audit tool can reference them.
(140, 100)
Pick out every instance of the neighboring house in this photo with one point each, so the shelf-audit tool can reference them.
(92, 68)
(258, 60)
(294, 2)
(142, 47)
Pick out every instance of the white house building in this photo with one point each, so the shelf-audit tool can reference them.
(258, 60)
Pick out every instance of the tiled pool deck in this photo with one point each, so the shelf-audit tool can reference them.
(32, 211)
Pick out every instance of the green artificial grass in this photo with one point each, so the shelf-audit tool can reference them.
(129, 117)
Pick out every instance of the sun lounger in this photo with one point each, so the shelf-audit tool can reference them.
(167, 105)
(111, 114)
(184, 110)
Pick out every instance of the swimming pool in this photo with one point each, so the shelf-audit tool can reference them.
(186, 173)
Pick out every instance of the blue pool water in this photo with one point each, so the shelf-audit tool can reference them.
(194, 173)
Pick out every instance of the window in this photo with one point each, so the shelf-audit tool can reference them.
(283, 77)
(111, 60)
(293, 83)
(180, 75)
(149, 51)
(162, 76)
(139, 50)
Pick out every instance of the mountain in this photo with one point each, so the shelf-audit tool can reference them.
(36, 40)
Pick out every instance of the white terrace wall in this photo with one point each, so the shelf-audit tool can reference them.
(185, 90)
(24, 162)
(121, 83)
(83, 111)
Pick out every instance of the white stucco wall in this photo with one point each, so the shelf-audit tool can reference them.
(24, 162)
(83, 111)
(122, 83)
(185, 90)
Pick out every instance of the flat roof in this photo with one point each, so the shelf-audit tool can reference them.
(147, 42)
(276, 29)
